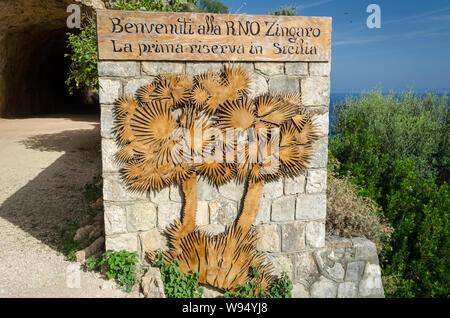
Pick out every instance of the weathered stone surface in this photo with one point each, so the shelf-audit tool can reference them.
(371, 284)
(268, 238)
(156, 68)
(109, 149)
(311, 207)
(151, 284)
(264, 211)
(364, 249)
(211, 292)
(336, 272)
(161, 196)
(319, 68)
(115, 190)
(299, 291)
(115, 219)
(131, 87)
(152, 240)
(316, 182)
(294, 185)
(281, 263)
(292, 237)
(109, 90)
(141, 216)
(284, 84)
(175, 193)
(107, 122)
(118, 68)
(354, 271)
(320, 157)
(315, 91)
(283, 209)
(322, 121)
(258, 85)
(315, 234)
(202, 217)
(273, 190)
(126, 241)
(306, 271)
(323, 288)
(222, 211)
(213, 229)
(168, 212)
(347, 290)
(205, 191)
(296, 68)
(232, 190)
(199, 68)
(270, 68)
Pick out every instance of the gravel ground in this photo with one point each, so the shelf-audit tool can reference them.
(44, 162)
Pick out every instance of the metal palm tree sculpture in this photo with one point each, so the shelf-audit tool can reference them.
(179, 127)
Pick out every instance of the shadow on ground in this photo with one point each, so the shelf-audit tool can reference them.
(52, 200)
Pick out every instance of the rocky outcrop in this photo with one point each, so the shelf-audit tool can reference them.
(32, 46)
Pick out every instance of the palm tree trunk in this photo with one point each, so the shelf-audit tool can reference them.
(251, 205)
(189, 213)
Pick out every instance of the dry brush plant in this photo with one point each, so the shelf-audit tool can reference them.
(179, 127)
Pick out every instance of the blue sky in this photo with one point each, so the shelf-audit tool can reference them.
(412, 48)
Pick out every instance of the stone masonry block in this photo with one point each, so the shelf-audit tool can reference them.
(195, 68)
(155, 68)
(115, 218)
(315, 234)
(127, 241)
(322, 122)
(168, 212)
(222, 211)
(109, 90)
(109, 150)
(133, 85)
(270, 68)
(107, 122)
(319, 68)
(284, 84)
(202, 217)
(264, 211)
(273, 190)
(152, 240)
(311, 207)
(306, 271)
(316, 182)
(292, 237)
(118, 68)
(283, 209)
(205, 191)
(315, 91)
(296, 68)
(115, 190)
(320, 157)
(258, 85)
(268, 238)
(232, 190)
(141, 216)
(294, 185)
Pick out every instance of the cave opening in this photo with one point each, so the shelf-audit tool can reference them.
(34, 75)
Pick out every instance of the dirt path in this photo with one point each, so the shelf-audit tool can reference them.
(43, 164)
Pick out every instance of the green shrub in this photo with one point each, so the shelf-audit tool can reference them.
(120, 266)
(396, 150)
(280, 287)
(176, 283)
(83, 44)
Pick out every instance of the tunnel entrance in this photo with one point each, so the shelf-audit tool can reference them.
(33, 79)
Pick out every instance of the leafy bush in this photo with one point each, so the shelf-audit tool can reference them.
(280, 287)
(120, 266)
(176, 283)
(351, 214)
(83, 45)
(396, 150)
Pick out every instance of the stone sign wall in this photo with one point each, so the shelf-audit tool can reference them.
(291, 217)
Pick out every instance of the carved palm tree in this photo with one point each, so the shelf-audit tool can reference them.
(177, 118)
